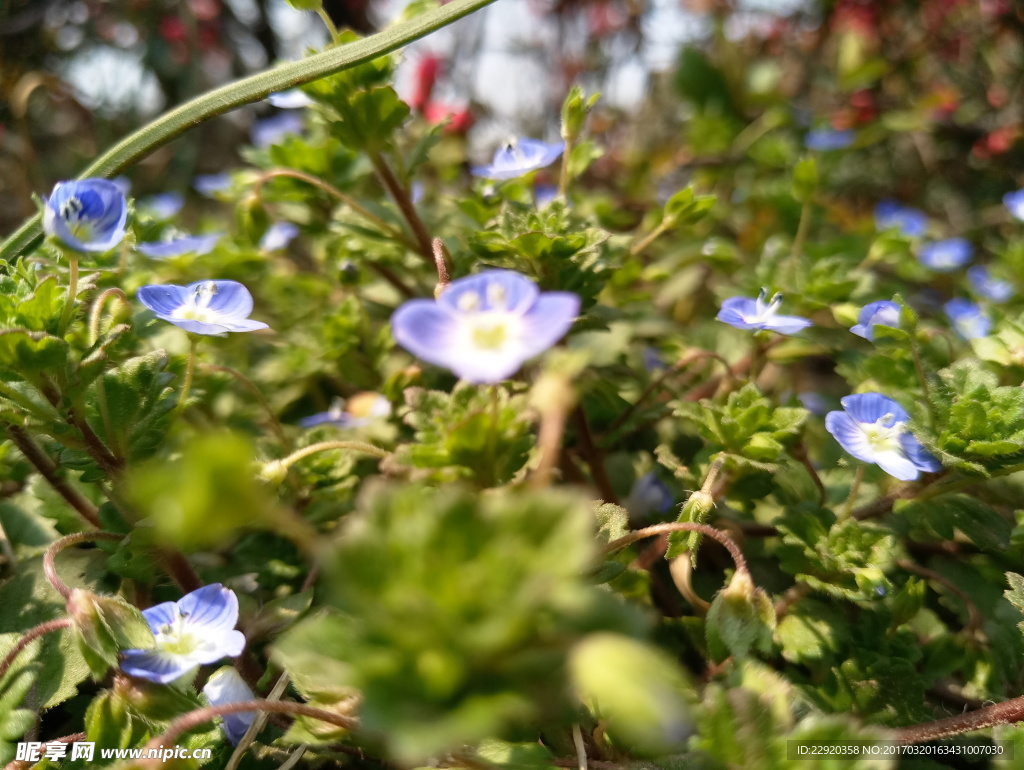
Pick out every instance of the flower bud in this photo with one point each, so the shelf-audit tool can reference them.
(273, 472)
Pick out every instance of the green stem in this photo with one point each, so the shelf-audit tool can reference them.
(69, 303)
(173, 124)
(648, 239)
(96, 315)
(854, 489)
(799, 241)
(190, 369)
(922, 378)
(329, 23)
(354, 446)
(563, 177)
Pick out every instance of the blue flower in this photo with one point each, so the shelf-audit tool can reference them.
(292, 99)
(278, 236)
(746, 313)
(946, 255)
(814, 402)
(884, 312)
(204, 307)
(969, 320)
(873, 428)
(224, 687)
(518, 157)
(992, 289)
(483, 327)
(162, 205)
(543, 194)
(275, 128)
(652, 359)
(124, 184)
(89, 215)
(180, 244)
(649, 495)
(1014, 201)
(826, 139)
(211, 184)
(361, 409)
(197, 629)
(909, 221)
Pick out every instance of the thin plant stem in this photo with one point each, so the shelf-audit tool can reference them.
(581, 748)
(329, 23)
(591, 453)
(49, 471)
(798, 242)
(854, 489)
(400, 194)
(1005, 713)
(257, 724)
(190, 368)
(69, 303)
(194, 719)
(922, 378)
(682, 526)
(647, 240)
(30, 636)
(96, 314)
(50, 557)
(563, 175)
(323, 446)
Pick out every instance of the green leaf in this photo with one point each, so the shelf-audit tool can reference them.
(741, 619)
(26, 354)
(941, 518)
(1015, 594)
(369, 118)
(139, 404)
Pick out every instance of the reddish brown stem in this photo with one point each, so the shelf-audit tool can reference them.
(683, 526)
(29, 637)
(48, 470)
(1005, 713)
(402, 198)
(592, 455)
(49, 559)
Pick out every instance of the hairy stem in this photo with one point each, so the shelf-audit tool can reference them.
(173, 124)
(69, 303)
(48, 470)
(682, 526)
(323, 446)
(28, 638)
(329, 23)
(96, 314)
(49, 559)
(190, 369)
(1005, 713)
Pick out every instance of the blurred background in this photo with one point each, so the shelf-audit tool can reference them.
(939, 82)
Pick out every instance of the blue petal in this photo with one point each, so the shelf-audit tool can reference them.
(872, 407)
(992, 289)
(103, 208)
(786, 324)
(230, 298)
(187, 244)
(211, 608)
(522, 157)
(200, 327)
(278, 236)
(515, 291)
(273, 129)
(827, 139)
(735, 311)
(159, 667)
(897, 465)
(909, 221)
(918, 455)
(211, 184)
(243, 325)
(544, 324)
(224, 687)
(217, 644)
(946, 255)
(864, 330)
(1014, 201)
(162, 205)
(342, 420)
(161, 615)
(426, 329)
(292, 99)
(163, 299)
(850, 436)
(969, 320)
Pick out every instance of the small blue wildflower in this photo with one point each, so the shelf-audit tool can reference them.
(278, 236)
(946, 255)
(746, 313)
(993, 289)
(649, 495)
(211, 184)
(272, 130)
(518, 157)
(909, 221)
(292, 99)
(86, 215)
(873, 428)
(179, 244)
(204, 307)
(827, 139)
(226, 686)
(968, 319)
(1014, 201)
(885, 312)
(417, 191)
(123, 183)
(361, 409)
(652, 359)
(162, 205)
(197, 629)
(483, 327)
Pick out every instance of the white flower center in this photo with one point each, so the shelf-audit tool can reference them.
(196, 307)
(175, 637)
(884, 434)
(764, 310)
(71, 212)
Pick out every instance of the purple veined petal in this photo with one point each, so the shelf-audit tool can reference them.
(787, 324)
(163, 299)
(918, 455)
(226, 686)
(161, 615)
(872, 407)
(736, 310)
(550, 318)
(210, 609)
(229, 298)
(426, 329)
(159, 667)
(490, 290)
(897, 465)
(96, 206)
(850, 435)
